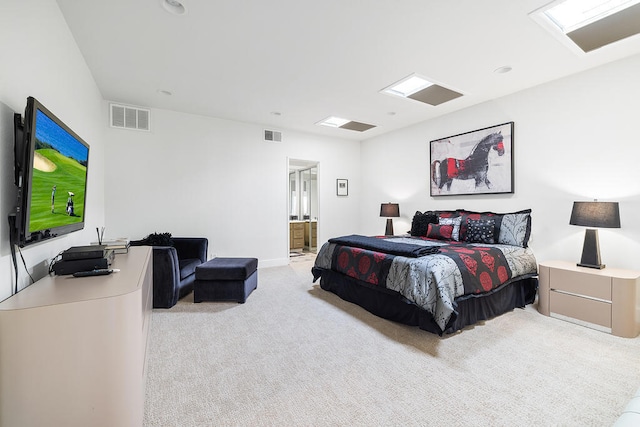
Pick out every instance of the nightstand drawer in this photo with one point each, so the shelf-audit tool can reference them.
(585, 309)
(591, 285)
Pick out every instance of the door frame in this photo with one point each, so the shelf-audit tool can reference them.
(300, 164)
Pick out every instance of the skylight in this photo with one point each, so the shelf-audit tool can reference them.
(420, 89)
(338, 122)
(573, 14)
(589, 25)
(334, 122)
(408, 86)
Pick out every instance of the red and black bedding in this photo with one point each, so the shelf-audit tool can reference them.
(444, 268)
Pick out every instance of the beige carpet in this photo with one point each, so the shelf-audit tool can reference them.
(295, 355)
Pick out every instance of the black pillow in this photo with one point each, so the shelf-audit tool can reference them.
(481, 231)
(159, 239)
(421, 221)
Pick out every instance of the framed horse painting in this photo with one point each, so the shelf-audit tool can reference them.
(476, 162)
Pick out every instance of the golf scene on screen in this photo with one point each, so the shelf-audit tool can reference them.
(59, 177)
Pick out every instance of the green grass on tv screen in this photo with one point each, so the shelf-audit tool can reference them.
(54, 169)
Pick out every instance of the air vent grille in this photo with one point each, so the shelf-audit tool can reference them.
(272, 136)
(127, 117)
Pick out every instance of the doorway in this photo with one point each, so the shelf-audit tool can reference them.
(303, 207)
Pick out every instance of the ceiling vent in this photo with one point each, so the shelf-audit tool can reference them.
(272, 136)
(127, 117)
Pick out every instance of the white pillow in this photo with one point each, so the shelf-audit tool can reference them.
(515, 229)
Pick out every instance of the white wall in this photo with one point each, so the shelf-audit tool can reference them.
(575, 139)
(200, 176)
(40, 59)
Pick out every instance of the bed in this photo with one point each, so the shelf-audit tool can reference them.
(454, 269)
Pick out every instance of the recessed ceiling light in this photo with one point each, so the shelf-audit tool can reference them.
(408, 86)
(503, 70)
(174, 7)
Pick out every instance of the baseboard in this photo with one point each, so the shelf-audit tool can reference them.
(277, 262)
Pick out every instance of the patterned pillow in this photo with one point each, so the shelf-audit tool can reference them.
(447, 214)
(421, 221)
(481, 231)
(515, 228)
(455, 222)
(466, 215)
(440, 232)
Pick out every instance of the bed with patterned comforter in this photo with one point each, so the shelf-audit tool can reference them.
(440, 285)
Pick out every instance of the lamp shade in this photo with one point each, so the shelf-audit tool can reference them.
(390, 210)
(596, 214)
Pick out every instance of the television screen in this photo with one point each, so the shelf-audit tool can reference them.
(54, 176)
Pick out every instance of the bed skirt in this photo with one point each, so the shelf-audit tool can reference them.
(390, 305)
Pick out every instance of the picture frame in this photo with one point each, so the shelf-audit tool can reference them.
(342, 187)
(471, 163)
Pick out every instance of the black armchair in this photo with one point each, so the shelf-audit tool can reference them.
(174, 268)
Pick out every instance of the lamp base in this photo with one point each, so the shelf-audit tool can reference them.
(599, 267)
(389, 230)
(591, 250)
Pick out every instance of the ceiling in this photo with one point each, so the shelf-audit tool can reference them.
(287, 64)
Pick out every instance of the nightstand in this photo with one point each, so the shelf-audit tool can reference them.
(607, 299)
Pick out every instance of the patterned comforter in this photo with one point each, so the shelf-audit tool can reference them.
(434, 281)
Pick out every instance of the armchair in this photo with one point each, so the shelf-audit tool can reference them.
(174, 268)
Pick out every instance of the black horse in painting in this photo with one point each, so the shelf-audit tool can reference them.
(473, 167)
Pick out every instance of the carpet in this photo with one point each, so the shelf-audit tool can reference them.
(295, 355)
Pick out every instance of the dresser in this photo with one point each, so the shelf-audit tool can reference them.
(73, 350)
(296, 234)
(607, 299)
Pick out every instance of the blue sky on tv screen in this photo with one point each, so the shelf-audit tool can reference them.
(50, 132)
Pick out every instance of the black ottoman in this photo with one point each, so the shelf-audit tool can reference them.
(225, 279)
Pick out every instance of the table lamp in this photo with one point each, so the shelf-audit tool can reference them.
(389, 210)
(594, 214)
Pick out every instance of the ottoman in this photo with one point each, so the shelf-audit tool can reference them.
(225, 279)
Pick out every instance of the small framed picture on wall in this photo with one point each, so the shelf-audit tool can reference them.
(342, 187)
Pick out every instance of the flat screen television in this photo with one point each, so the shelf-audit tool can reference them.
(51, 165)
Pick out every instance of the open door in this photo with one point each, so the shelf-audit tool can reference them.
(303, 207)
